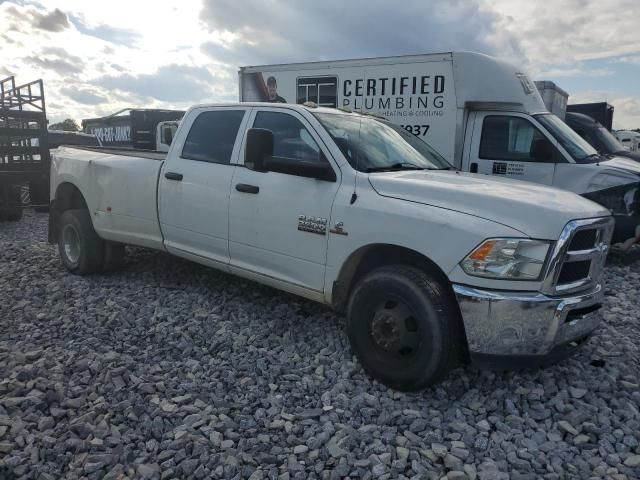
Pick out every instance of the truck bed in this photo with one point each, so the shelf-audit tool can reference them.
(119, 186)
(127, 151)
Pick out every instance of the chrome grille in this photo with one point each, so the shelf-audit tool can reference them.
(584, 239)
(579, 255)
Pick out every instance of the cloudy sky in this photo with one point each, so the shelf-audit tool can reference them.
(98, 57)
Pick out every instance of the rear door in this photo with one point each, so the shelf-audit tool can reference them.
(195, 182)
(279, 222)
(511, 145)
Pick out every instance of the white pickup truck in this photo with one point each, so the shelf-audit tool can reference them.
(431, 265)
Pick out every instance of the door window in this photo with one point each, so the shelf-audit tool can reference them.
(513, 139)
(290, 137)
(212, 136)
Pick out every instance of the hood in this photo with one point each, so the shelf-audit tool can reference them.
(536, 211)
(628, 154)
(624, 161)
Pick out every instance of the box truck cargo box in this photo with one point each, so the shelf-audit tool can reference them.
(554, 98)
(429, 95)
(481, 113)
(601, 112)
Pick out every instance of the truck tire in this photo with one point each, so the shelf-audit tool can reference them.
(81, 249)
(404, 326)
(113, 256)
(39, 192)
(11, 212)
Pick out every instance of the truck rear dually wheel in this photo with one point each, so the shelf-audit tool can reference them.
(81, 249)
(404, 327)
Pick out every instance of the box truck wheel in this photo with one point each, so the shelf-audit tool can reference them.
(404, 327)
(81, 249)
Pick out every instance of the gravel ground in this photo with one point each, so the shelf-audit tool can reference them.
(171, 370)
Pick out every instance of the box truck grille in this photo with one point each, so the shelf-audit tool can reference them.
(579, 256)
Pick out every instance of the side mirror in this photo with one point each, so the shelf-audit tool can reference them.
(259, 147)
(542, 150)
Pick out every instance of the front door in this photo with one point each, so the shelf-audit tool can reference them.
(510, 145)
(278, 223)
(194, 185)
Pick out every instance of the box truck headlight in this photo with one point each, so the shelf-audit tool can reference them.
(507, 259)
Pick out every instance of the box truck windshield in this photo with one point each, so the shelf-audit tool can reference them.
(606, 142)
(371, 145)
(574, 144)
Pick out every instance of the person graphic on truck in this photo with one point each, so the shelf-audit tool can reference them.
(272, 91)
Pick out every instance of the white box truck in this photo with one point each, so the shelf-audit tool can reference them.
(482, 114)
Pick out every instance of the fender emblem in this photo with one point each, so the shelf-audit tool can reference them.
(338, 229)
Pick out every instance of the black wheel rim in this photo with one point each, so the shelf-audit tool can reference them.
(395, 330)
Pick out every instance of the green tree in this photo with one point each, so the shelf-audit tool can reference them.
(68, 125)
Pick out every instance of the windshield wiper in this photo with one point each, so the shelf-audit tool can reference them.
(395, 166)
(450, 167)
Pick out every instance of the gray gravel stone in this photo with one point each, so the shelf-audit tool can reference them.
(167, 369)
(632, 461)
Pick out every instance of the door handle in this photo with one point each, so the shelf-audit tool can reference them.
(173, 176)
(473, 168)
(243, 187)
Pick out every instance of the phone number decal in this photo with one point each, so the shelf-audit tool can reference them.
(417, 130)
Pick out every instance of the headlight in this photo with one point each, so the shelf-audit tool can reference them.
(507, 259)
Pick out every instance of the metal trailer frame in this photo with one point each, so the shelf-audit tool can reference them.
(25, 161)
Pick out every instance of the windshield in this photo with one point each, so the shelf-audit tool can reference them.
(573, 143)
(607, 142)
(370, 144)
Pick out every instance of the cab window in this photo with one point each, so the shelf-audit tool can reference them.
(212, 136)
(290, 137)
(514, 139)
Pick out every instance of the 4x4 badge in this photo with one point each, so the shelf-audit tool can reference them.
(338, 229)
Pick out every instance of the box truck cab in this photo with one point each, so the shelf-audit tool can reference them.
(598, 137)
(483, 114)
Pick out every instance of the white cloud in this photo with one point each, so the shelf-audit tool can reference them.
(631, 59)
(574, 71)
(568, 31)
(98, 57)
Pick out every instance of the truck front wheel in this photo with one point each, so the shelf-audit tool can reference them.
(404, 327)
(81, 249)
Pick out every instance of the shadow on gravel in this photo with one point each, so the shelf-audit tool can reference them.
(620, 257)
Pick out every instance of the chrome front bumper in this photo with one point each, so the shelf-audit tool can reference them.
(528, 323)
